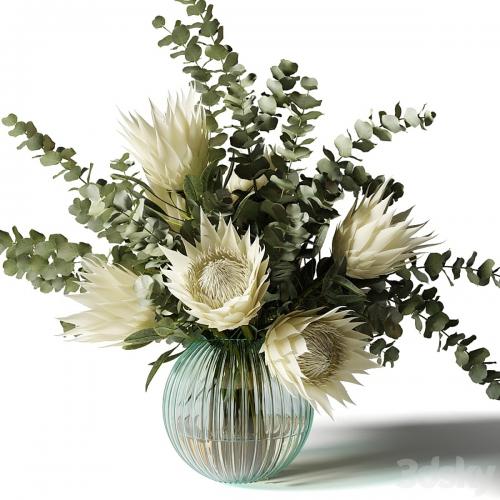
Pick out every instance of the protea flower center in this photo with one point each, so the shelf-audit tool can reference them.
(218, 277)
(326, 352)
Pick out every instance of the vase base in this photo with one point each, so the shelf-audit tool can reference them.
(240, 462)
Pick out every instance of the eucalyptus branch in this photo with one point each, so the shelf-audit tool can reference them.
(437, 263)
(49, 263)
(116, 212)
(299, 103)
(50, 154)
(427, 310)
(345, 172)
(382, 128)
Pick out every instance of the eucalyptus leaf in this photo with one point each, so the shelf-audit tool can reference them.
(180, 34)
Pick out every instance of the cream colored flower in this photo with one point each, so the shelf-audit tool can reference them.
(314, 355)
(173, 146)
(117, 304)
(374, 239)
(223, 279)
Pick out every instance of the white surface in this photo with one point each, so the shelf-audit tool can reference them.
(74, 420)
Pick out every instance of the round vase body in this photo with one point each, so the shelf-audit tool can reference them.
(227, 417)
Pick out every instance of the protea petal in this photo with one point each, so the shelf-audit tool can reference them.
(173, 146)
(116, 306)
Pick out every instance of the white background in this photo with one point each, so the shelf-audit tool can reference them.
(74, 419)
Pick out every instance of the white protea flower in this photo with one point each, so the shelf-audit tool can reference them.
(222, 280)
(117, 303)
(375, 240)
(314, 355)
(174, 145)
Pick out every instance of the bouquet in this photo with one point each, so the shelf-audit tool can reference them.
(227, 248)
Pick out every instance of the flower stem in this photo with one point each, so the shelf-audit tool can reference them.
(247, 332)
(217, 334)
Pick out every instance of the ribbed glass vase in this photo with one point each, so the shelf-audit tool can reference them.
(227, 417)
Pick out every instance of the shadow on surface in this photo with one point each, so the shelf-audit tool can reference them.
(338, 456)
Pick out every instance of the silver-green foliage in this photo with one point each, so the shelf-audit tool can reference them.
(49, 263)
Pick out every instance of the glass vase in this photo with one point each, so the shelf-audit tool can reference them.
(227, 417)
